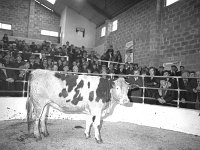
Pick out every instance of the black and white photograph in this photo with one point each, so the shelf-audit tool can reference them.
(99, 74)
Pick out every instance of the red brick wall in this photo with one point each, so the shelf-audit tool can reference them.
(17, 13)
(174, 36)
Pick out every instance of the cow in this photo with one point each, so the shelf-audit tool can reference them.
(92, 95)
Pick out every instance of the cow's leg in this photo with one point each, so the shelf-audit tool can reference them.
(89, 122)
(97, 127)
(101, 123)
(43, 120)
(36, 130)
(38, 113)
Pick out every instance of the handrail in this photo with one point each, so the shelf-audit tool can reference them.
(98, 74)
(24, 90)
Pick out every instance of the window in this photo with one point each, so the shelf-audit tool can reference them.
(114, 25)
(103, 31)
(52, 1)
(49, 33)
(169, 2)
(5, 26)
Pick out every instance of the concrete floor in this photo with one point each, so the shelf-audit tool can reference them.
(69, 135)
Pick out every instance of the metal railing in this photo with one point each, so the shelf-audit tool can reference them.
(143, 87)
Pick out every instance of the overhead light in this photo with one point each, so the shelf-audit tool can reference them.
(52, 1)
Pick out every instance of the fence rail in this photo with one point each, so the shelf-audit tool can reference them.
(178, 101)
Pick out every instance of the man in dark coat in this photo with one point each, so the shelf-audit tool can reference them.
(182, 69)
(151, 82)
(7, 78)
(160, 71)
(136, 83)
(188, 95)
(166, 95)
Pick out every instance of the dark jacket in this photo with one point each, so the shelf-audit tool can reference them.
(149, 82)
(136, 89)
(4, 85)
(168, 95)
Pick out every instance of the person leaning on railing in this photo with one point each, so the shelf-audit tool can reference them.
(187, 84)
(197, 90)
(7, 78)
(22, 77)
(136, 83)
(2, 78)
(192, 89)
(166, 95)
(152, 82)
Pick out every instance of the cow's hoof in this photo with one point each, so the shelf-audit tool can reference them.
(100, 141)
(87, 136)
(46, 134)
(39, 138)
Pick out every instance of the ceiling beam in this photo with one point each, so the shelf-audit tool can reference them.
(97, 9)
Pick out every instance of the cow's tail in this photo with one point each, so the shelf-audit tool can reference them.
(29, 114)
(29, 106)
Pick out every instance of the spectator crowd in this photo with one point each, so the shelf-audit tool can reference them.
(69, 58)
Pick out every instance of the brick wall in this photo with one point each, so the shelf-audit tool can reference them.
(45, 20)
(138, 24)
(28, 18)
(172, 34)
(99, 40)
(16, 13)
(180, 36)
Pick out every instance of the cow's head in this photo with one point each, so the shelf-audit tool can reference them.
(120, 91)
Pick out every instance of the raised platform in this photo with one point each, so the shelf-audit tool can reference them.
(171, 118)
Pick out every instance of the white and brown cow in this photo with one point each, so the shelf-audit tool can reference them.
(92, 95)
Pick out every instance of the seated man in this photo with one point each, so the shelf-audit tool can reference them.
(197, 91)
(166, 95)
(188, 95)
(151, 82)
(191, 88)
(136, 83)
(192, 83)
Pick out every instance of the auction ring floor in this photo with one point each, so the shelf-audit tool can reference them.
(69, 135)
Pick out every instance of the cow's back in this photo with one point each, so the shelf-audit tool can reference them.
(69, 91)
